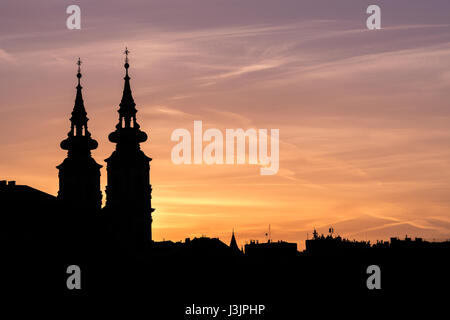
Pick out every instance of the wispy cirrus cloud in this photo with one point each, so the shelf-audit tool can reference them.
(5, 56)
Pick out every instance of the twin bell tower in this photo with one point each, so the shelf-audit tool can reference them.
(128, 209)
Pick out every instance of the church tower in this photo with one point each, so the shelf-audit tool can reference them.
(79, 174)
(128, 193)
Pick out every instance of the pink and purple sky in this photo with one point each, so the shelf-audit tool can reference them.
(363, 115)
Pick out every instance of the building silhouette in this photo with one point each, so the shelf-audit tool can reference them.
(333, 245)
(79, 173)
(128, 193)
(27, 218)
(272, 249)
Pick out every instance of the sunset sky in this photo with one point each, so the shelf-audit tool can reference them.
(364, 116)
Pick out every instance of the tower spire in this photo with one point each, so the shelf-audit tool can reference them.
(233, 244)
(79, 138)
(127, 114)
(128, 193)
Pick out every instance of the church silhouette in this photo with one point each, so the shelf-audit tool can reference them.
(76, 216)
(113, 245)
(128, 193)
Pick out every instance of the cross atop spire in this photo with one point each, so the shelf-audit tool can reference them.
(79, 70)
(126, 52)
(126, 65)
